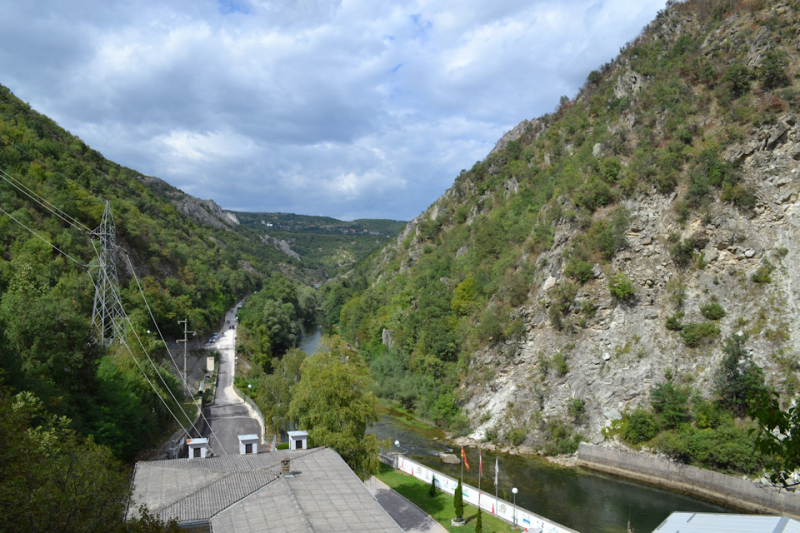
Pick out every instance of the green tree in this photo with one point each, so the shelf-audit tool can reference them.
(274, 391)
(671, 403)
(738, 376)
(332, 403)
(479, 523)
(777, 437)
(432, 491)
(621, 287)
(774, 67)
(53, 480)
(458, 501)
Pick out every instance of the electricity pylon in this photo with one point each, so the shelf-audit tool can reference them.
(107, 313)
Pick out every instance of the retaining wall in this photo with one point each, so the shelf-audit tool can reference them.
(727, 490)
(502, 509)
(249, 401)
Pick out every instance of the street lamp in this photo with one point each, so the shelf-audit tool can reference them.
(514, 490)
(397, 443)
(249, 389)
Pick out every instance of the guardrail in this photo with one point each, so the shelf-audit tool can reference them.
(498, 507)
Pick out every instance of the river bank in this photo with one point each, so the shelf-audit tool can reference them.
(579, 498)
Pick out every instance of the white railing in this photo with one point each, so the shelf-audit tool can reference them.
(487, 502)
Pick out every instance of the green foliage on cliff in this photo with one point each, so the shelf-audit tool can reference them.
(459, 284)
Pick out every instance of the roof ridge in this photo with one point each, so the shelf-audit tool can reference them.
(174, 502)
(297, 505)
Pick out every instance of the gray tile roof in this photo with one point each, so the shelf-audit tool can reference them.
(245, 493)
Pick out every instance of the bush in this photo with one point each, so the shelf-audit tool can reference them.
(729, 448)
(516, 436)
(560, 364)
(712, 311)
(762, 274)
(737, 79)
(579, 270)
(576, 409)
(674, 323)
(741, 196)
(682, 252)
(695, 333)
(561, 439)
(621, 287)
(773, 71)
(283, 446)
(638, 426)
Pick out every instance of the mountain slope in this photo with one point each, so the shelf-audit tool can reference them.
(609, 247)
(192, 260)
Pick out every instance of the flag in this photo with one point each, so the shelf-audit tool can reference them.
(480, 463)
(496, 470)
(464, 457)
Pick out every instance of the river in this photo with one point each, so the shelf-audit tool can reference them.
(575, 497)
(582, 499)
(309, 337)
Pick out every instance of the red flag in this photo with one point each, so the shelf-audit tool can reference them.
(480, 462)
(464, 456)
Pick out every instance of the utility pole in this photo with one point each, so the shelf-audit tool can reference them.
(185, 339)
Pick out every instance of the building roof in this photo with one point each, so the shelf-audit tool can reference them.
(730, 523)
(247, 493)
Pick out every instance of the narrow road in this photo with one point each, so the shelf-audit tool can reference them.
(229, 416)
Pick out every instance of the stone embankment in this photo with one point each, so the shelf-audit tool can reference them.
(727, 490)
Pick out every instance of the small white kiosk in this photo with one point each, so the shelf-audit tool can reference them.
(248, 444)
(298, 440)
(198, 448)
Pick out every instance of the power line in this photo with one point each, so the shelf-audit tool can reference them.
(36, 197)
(160, 336)
(59, 250)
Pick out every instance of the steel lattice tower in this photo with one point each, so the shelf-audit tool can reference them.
(107, 313)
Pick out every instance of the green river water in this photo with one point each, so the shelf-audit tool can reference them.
(581, 499)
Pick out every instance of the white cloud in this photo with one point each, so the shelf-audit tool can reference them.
(349, 108)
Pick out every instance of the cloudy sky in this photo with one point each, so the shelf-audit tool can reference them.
(351, 108)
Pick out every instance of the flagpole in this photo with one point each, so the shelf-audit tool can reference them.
(496, 481)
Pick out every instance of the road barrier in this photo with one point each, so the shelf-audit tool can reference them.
(487, 502)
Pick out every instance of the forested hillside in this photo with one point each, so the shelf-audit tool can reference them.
(623, 268)
(59, 385)
(330, 245)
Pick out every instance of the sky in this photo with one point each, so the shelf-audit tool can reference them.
(349, 109)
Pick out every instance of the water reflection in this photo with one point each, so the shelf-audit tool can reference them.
(310, 335)
(581, 499)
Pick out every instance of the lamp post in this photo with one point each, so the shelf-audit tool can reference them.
(514, 491)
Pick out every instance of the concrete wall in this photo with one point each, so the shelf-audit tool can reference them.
(249, 401)
(502, 509)
(727, 490)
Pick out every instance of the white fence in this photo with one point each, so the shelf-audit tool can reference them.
(502, 509)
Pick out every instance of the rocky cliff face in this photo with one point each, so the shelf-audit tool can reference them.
(624, 349)
(690, 246)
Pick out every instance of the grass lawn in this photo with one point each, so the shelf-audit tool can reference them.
(440, 507)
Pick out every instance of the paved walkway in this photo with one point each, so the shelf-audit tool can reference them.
(229, 416)
(408, 516)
